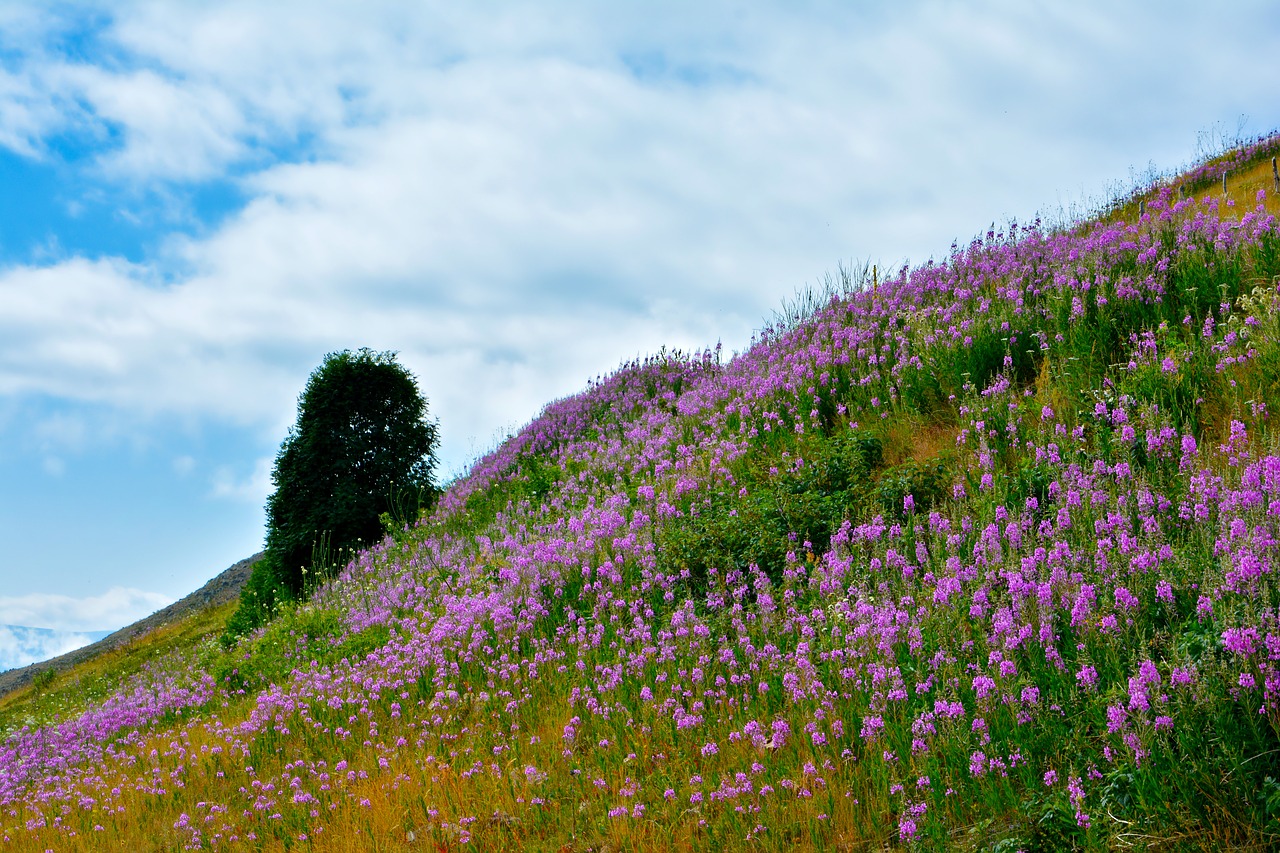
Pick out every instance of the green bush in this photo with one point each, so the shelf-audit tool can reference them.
(1030, 480)
(299, 637)
(43, 679)
(929, 483)
(779, 512)
(260, 597)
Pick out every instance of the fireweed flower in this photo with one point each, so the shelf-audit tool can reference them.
(1125, 599)
(1241, 641)
(1075, 792)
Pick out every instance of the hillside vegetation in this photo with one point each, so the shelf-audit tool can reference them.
(978, 555)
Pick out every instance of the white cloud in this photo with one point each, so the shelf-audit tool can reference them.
(173, 129)
(24, 115)
(20, 646)
(518, 200)
(252, 488)
(115, 608)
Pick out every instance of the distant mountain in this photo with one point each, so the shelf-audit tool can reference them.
(20, 645)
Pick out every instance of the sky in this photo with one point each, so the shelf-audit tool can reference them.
(198, 201)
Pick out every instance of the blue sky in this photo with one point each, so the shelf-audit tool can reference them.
(198, 201)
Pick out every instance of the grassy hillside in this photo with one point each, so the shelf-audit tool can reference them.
(975, 556)
(55, 696)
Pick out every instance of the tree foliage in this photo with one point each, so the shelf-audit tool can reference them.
(362, 446)
(362, 440)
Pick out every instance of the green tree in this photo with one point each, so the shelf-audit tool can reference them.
(362, 446)
(362, 442)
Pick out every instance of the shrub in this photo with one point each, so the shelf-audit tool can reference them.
(779, 513)
(260, 597)
(928, 483)
(300, 636)
(43, 679)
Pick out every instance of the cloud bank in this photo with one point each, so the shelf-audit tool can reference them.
(20, 646)
(112, 609)
(517, 201)
(63, 623)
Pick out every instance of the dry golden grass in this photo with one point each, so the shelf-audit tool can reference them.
(1242, 193)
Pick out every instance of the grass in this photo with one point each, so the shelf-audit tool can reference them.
(1246, 176)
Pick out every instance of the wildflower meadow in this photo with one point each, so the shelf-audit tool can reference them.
(974, 555)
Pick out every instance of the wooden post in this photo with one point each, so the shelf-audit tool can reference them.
(1275, 176)
(1224, 183)
(1142, 208)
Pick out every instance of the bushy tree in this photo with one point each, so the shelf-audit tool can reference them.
(362, 440)
(362, 446)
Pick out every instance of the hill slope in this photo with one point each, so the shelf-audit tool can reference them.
(979, 556)
(220, 590)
